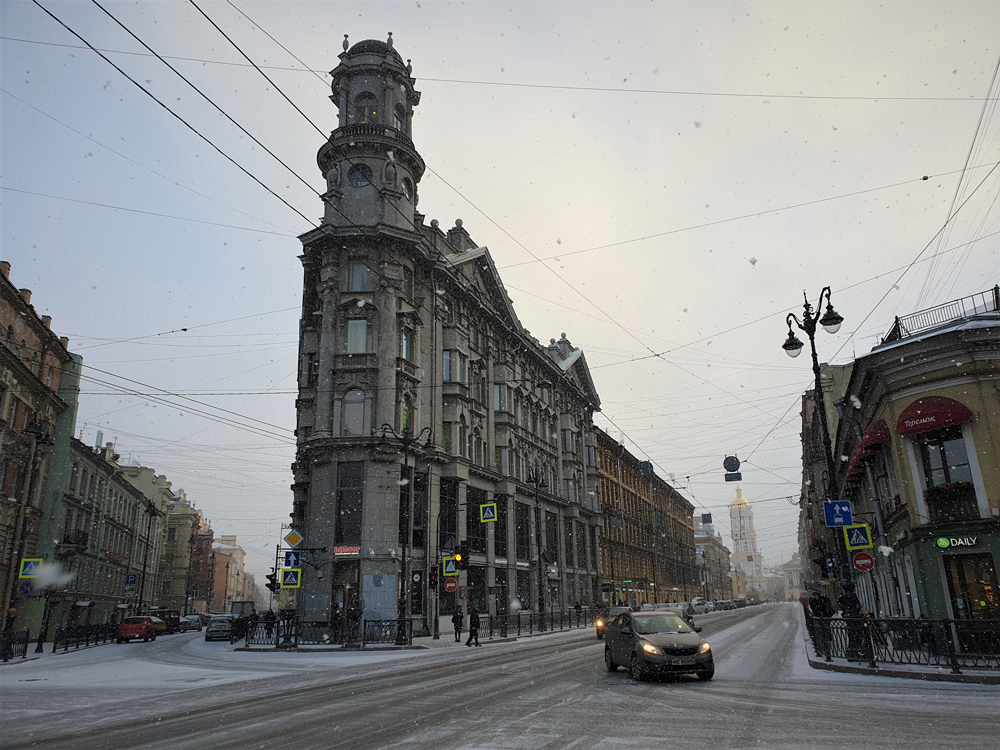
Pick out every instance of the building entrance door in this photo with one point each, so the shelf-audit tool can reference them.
(972, 584)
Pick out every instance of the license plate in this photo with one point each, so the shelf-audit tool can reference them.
(683, 662)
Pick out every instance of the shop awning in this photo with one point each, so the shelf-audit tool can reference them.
(931, 413)
(876, 434)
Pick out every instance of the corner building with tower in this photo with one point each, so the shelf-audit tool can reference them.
(422, 398)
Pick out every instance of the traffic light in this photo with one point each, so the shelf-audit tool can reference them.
(462, 556)
(434, 579)
(272, 582)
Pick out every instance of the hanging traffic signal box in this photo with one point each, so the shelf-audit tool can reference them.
(462, 556)
(272, 582)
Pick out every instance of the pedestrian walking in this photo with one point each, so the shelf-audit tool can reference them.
(457, 619)
(473, 627)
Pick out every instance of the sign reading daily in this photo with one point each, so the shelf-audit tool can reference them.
(946, 542)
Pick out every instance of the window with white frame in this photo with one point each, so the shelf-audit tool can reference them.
(357, 336)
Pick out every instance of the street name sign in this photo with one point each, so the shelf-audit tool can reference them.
(31, 567)
(451, 585)
(863, 562)
(450, 566)
(291, 578)
(838, 514)
(293, 559)
(858, 536)
(293, 538)
(487, 512)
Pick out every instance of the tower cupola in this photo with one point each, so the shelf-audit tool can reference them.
(369, 163)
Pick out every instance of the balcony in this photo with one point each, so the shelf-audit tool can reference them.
(950, 503)
(72, 542)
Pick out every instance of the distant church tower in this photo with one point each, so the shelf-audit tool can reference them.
(746, 556)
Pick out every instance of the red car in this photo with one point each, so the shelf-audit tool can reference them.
(137, 627)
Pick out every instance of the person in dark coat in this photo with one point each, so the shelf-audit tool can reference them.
(473, 627)
(457, 619)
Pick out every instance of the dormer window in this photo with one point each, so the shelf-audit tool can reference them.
(365, 109)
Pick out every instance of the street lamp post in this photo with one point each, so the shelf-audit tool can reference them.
(152, 513)
(535, 479)
(406, 438)
(831, 322)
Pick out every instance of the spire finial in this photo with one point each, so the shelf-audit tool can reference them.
(346, 45)
(409, 68)
(388, 42)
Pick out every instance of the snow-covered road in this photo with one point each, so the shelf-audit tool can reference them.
(549, 692)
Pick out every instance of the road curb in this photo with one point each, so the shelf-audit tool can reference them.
(971, 679)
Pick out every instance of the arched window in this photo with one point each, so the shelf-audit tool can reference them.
(353, 422)
(399, 118)
(365, 109)
(360, 175)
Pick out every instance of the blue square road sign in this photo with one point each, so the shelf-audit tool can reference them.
(293, 559)
(838, 513)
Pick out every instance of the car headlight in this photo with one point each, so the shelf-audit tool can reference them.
(600, 624)
(649, 648)
(705, 647)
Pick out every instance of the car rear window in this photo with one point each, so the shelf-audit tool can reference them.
(134, 620)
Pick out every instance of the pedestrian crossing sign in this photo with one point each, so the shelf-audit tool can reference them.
(450, 566)
(291, 578)
(858, 536)
(30, 567)
(487, 512)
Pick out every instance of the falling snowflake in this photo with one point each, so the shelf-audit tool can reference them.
(855, 402)
(753, 261)
(361, 303)
(403, 482)
(886, 551)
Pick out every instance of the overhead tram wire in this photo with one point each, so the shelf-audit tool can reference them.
(168, 109)
(512, 84)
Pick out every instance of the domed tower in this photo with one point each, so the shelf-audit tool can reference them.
(369, 163)
(745, 554)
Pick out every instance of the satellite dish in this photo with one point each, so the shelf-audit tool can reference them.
(731, 463)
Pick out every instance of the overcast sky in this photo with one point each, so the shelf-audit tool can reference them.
(649, 177)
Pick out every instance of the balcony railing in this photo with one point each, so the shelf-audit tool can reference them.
(959, 309)
(949, 503)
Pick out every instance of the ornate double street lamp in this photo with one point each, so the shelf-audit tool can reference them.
(535, 479)
(406, 438)
(831, 322)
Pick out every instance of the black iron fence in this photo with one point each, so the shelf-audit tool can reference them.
(352, 631)
(14, 644)
(973, 644)
(83, 635)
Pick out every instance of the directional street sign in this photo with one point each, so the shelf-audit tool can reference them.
(450, 566)
(451, 585)
(858, 536)
(30, 567)
(863, 562)
(487, 512)
(293, 538)
(293, 559)
(291, 578)
(838, 514)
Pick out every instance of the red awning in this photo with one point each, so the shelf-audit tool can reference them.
(931, 413)
(876, 434)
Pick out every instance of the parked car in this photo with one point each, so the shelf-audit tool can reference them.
(190, 622)
(172, 617)
(219, 629)
(161, 625)
(602, 620)
(656, 643)
(137, 627)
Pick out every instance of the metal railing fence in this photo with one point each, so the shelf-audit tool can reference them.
(973, 644)
(84, 635)
(14, 644)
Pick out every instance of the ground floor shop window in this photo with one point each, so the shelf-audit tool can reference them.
(477, 588)
(522, 532)
(972, 586)
(524, 588)
(345, 584)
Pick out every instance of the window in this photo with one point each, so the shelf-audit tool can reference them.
(551, 535)
(462, 363)
(591, 455)
(500, 527)
(449, 513)
(399, 117)
(350, 493)
(357, 336)
(522, 531)
(407, 188)
(408, 281)
(357, 277)
(568, 540)
(406, 415)
(365, 109)
(10, 337)
(74, 477)
(446, 357)
(949, 491)
(360, 175)
(581, 546)
(497, 397)
(475, 530)
(353, 422)
(406, 344)
(446, 437)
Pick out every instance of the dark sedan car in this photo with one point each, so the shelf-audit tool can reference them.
(656, 643)
(601, 623)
